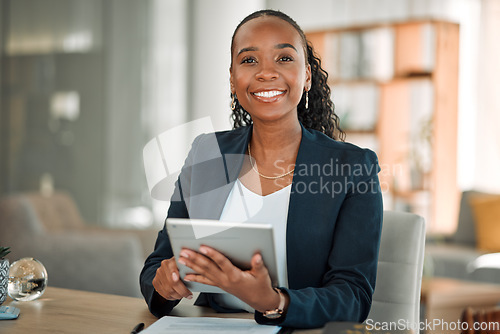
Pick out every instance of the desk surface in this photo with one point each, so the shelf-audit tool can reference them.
(447, 291)
(71, 311)
(445, 299)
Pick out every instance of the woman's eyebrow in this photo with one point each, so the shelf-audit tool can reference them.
(285, 45)
(278, 46)
(251, 48)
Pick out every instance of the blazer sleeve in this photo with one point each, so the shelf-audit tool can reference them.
(163, 249)
(347, 286)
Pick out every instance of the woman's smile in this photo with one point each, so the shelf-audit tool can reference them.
(269, 96)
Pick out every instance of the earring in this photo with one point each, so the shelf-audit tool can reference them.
(233, 102)
(307, 99)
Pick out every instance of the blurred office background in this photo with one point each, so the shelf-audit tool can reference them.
(85, 84)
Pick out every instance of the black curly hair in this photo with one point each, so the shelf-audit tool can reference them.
(321, 113)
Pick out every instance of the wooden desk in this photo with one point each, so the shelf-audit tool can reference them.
(74, 312)
(446, 298)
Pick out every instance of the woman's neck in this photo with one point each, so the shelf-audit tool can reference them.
(276, 139)
(273, 147)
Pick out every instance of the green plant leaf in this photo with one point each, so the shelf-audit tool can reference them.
(4, 251)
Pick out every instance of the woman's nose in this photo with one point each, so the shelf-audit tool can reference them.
(267, 71)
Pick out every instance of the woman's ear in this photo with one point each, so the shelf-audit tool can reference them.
(308, 77)
(231, 81)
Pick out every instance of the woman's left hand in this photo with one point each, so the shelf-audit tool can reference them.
(213, 268)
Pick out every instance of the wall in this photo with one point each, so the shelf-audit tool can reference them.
(487, 157)
(127, 38)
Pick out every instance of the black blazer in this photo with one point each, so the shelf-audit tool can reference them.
(333, 226)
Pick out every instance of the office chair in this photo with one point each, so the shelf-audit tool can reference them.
(399, 276)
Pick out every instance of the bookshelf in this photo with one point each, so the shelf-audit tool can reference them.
(395, 88)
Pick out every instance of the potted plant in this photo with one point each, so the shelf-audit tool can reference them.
(4, 273)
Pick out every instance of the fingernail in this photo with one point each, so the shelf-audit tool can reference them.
(259, 259)
(203, 250)
(187, 279)
(184, 254)
(190, 297)
(181, 261)
(175, 277)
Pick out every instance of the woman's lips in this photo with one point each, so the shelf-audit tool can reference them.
(268, 95)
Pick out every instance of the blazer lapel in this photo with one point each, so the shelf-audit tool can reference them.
(213, 179)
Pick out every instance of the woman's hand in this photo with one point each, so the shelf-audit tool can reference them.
(167, 283)
(213, 268)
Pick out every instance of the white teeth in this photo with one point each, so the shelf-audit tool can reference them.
(271, 93)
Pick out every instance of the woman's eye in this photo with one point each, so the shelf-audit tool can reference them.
(248, 60)
(286, 59)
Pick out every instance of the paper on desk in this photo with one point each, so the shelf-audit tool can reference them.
(207, 325)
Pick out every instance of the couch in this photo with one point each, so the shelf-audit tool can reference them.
(76, 254)
(457, 256)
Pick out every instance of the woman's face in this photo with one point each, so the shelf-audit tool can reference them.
(269, 71)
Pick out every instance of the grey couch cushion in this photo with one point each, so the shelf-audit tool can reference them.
(448, 260)
(485, 268)
(454, 257)
(76, 256)
(466, 229)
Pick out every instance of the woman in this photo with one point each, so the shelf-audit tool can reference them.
(322, 195)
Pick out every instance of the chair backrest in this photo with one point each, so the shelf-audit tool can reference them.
(399, 276)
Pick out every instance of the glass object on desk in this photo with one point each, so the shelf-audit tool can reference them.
(27, 279)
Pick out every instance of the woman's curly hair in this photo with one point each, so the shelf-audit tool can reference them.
(321, 112)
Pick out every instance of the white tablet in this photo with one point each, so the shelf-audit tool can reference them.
(238, 241)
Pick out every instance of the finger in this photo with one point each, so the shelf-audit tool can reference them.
(164, 289)
(199, 279)
(172, 295)
(199, 263)
(167, 283)
(177, 285)
(258, 267)
(220, 259)
(161, 278)
(181, 290)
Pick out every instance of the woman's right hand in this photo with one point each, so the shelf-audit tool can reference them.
(167, 282)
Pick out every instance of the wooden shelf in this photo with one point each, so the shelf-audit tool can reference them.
(416, 105)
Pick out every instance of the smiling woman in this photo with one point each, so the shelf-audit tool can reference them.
(324, 118)
(326, 242)
(269, 71)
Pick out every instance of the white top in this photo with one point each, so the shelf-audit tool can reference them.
(243, 205)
